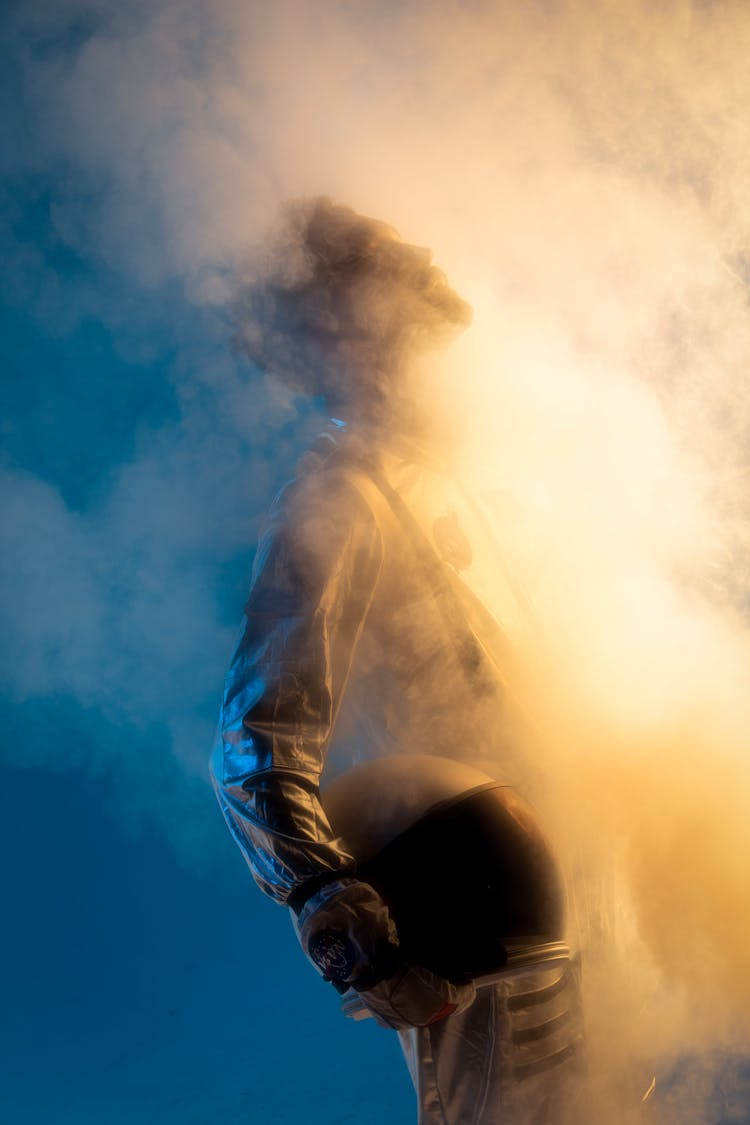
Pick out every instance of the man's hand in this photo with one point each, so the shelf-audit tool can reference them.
(347, 932)
(415, 997)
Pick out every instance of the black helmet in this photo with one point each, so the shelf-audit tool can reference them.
(461, 861)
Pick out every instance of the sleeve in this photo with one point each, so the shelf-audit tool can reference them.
(313, 581)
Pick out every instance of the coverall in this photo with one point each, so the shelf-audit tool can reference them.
(374, 581)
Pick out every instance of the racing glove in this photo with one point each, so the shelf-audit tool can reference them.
(346, 931)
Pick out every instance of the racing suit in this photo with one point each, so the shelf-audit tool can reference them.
(363, 637)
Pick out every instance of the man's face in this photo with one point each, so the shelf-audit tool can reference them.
(399, 298)
(411, 267)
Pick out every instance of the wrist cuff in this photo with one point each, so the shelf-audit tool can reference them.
(302, 894)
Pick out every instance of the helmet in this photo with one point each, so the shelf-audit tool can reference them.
(460, 859)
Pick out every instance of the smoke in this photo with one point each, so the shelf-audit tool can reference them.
(581, 171)
(621, 523)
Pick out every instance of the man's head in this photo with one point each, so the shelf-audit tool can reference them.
(344, 305)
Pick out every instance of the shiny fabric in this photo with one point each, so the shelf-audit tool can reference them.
(515, 1055)
(351, 649)
(315, 570)
(413, 997)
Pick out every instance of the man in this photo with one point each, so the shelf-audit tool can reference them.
(362, 639)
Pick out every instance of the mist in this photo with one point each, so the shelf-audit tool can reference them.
(581, 172)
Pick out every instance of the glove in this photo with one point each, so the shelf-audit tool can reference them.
(416, 997)
(347, 932)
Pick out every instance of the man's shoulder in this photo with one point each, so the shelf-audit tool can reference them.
(320, 517)
(334, 474)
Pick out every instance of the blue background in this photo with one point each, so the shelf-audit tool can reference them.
(145, 978)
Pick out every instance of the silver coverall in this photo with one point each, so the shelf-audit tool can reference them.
(353, 647)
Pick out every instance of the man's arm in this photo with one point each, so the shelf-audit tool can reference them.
(313, 582)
